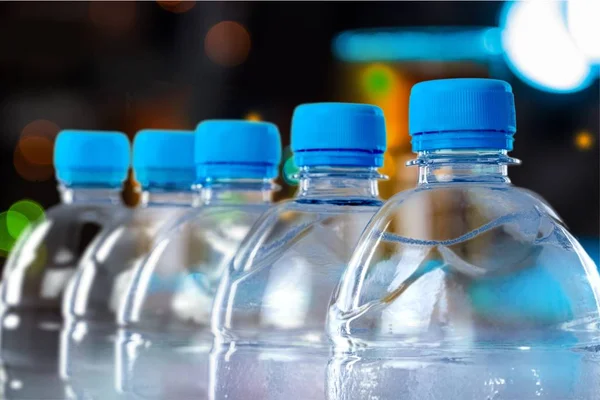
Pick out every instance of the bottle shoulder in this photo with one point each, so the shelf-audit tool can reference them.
(185, 264)
(65, 232)
(128, 238)
(481, 260)
(293, 226)
(291, 220)
(487, 199)
(279, 282)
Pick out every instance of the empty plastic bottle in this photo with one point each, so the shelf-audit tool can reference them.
(163, 165)
(466, 286)
(90, 168)
(270, 310)
(165, 338)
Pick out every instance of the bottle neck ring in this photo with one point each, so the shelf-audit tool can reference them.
(325, 181)
(464, 165)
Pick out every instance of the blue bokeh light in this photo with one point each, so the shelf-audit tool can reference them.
(418, 44)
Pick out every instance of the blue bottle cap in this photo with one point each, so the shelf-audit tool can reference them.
(338, 134)
(235, 149)
(164, 158)
(462, 114)
(95, 158)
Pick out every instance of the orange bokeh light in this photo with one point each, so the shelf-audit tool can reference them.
(29, 170)
(176, 6)
(36, 149)
(32, 158)
(584, 140)
(41, 127)
(392, 96)
(253, 116)
(227, 43)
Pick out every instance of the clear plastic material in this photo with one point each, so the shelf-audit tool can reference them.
(271, 306)
(466, 287)
(165, 337)
(98, 287)
(35, 277)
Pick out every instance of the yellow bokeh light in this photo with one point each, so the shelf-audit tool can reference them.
(584, 140)
(253, 116)
(227, 43)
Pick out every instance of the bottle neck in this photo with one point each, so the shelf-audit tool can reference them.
(90, 195)
(338, 182)
(235, 191)
(176, 197)
(461, 166)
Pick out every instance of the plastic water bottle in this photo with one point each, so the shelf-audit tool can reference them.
(90, 168)
(465, 287)
(163, 165)
(270, 309)
(165, 338)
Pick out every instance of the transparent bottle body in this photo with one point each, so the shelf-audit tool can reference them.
(465, 286)
(97, 289)
(165, 338)
(36, 274)
(270, 310)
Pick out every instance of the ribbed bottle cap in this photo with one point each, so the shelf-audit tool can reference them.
(97, 158)
(462, 114)
(235, 149)
(338, 134)
(164, 158)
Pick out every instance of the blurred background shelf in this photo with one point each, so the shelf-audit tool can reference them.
(132, 65)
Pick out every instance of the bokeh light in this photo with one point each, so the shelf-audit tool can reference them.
(10, 221)
(582, 20)
(167, 111)
(253, 116)
(14, 221)
(290, 171)
(33, 154)
(40, 127)
(385, 86)
(227, 43)
(540, 50)
(29, 210)
(6, 239)
(434, 43)
(378, 80)
(114, 17)
(176, 6)
(584, 140)
(28, 170)
(36, 150)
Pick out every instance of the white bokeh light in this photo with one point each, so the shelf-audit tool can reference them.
(540, 49)
(583, 21)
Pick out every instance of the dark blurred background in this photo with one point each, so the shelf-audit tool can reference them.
(169, 64)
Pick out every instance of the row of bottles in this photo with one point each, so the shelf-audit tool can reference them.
(463, 287)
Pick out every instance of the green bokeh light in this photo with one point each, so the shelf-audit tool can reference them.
(290, 170)
(6, 239)
(378, 81)
(21, 214)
